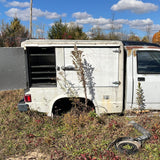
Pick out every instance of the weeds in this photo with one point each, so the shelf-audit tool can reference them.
(79, 66)
(69, 136)
(140, 97)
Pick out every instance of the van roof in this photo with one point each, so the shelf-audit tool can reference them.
(60, 43)
(139, 43)
(57, 42)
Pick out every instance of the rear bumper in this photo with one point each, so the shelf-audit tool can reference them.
(22, 106)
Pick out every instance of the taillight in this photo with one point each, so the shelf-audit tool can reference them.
(27, 98)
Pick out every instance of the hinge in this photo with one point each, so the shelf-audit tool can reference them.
(117, 50)
(116, 82)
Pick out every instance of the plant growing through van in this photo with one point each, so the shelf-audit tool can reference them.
(67, 86)
(79, 66)
(84, 72)
(140, 97)
(70, 90)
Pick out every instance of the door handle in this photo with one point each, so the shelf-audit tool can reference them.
(116, 82)
(68, 68)
(141, 78)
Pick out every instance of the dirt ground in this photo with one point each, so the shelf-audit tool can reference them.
(31, 156)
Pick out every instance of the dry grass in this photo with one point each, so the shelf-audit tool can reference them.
(69, 136)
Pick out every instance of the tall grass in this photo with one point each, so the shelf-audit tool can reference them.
(69, 136)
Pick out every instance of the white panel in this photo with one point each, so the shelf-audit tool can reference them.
(104, 61)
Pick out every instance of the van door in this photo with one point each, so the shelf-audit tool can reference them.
(146, 70)
(104, 61)
(12, 68)
(104, 72)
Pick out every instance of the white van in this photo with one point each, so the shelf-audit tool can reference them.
(113, 70)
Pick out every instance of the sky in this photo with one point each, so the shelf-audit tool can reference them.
(127, 16)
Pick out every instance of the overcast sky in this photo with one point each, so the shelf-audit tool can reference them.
(129, 15)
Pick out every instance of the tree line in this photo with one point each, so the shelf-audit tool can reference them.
(13, 33)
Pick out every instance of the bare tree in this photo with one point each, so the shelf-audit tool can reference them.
(40, 30)
(148, 31)
(112, 35)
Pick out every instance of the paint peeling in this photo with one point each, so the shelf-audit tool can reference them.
(134, 53)
(129, 53)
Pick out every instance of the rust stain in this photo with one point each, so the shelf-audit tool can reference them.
(134, 53)
(154, 47)
(129, 52)
(133, 47)
(137, 47)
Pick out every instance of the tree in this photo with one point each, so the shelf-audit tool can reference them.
(145, 39)
(97, 34)
(148, 31)
(133, 37)
(13, 33)
(76, 32)
(156, 38)
(60, 30)
(113, 36)
(1, 42)
(40, 31)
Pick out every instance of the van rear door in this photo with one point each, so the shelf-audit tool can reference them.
(12, 69)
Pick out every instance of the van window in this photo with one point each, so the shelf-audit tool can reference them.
(42, 66)
(148, 62)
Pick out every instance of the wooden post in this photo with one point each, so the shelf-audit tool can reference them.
(30, 34)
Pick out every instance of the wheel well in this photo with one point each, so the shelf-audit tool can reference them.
(63, 105)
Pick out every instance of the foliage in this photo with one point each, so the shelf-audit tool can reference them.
(133, 37)
(97, 34)
(76, 32)
(156, 38)
(145, 39)
(140, 97)
(60, 30)
(12, 34)
(57, 30)
(69, 136)
(113, 36)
